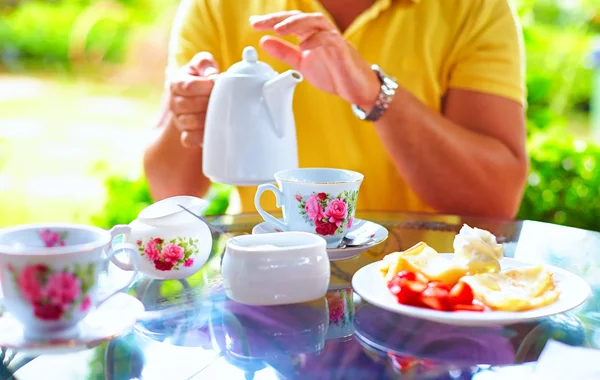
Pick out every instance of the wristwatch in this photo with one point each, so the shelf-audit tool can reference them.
(386, 93)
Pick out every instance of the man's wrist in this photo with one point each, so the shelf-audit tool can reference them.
(372, 92)
(386, 89)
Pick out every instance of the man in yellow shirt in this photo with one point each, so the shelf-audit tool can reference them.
(451, 139)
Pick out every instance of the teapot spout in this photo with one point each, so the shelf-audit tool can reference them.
(278, 94)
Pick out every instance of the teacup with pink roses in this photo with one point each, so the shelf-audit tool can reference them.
(317, 200)
(49, 274)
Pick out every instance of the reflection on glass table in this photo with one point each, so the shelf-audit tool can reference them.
(193, 331)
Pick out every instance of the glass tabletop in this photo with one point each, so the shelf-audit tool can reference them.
(195, 332)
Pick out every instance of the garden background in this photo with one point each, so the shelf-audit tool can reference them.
(80, 82)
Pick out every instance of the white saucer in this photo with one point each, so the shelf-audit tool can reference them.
(111, 319)
(370, 285)
(377, 232)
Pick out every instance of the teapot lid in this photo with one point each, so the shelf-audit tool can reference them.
(250, 65)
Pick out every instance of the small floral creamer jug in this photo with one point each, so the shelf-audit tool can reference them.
(171, 243)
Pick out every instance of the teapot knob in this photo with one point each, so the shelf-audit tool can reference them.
(249, 54)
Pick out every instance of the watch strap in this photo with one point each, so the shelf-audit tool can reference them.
(382, 103)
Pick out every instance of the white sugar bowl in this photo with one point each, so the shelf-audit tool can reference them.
(276, 269)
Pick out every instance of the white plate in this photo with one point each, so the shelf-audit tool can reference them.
(371, 286)
(113, 318)
(379, 235)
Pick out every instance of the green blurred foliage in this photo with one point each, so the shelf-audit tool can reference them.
(558, 37)
(126, 198)
(57, 34)
(563, 186)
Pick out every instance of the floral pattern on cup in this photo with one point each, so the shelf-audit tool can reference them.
(171, 254)
(53, 238)
(55, 294)
(341, 307)
(328, 214)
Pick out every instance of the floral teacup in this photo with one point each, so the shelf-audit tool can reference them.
(321, 201)
(49, 274)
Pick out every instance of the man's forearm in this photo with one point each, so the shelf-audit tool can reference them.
(452, 168)
(170, 168)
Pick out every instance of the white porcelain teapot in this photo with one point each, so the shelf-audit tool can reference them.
(171, 243)
(250, 131)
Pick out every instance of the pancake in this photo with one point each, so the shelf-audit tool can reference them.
(514, 289)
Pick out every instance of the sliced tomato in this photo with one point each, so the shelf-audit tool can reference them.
(436, 298)
(396, 281)
(461, 294)
(439, 285)
(406, 296)
(407, 275)
(471, 307)
(407, 292)
(416, 286)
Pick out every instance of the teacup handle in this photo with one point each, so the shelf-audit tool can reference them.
(265, 215)
(130, 265)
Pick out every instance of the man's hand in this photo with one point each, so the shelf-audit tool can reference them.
(324, 57)
(189, 93)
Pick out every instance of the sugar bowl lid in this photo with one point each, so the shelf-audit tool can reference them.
(250, 65)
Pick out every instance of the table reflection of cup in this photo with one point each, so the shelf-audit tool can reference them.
(268, 332)
(340, 303)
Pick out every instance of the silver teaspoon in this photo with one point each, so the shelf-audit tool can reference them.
(210, 225)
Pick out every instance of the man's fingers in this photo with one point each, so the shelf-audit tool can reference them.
(203, 64)
(188, 104)
(282, 50)
(189, 85)
(192, 139)
(268, 21)
(324, 38)
(190, 121)
(304, 25)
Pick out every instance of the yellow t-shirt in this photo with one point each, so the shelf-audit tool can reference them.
(429, 46)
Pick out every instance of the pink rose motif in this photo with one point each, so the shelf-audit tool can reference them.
(47, 312)
(158, 240)
(151, 251)
(62, 288)
(299, 197)
(336, 309)
(51, 239)
(30, 282)
(325, 228)
(172, 253)
(188, 263)
(313, 208)
(85, 304)
(350, 221)
(163, 265)
(336, 211)
(139, 242)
